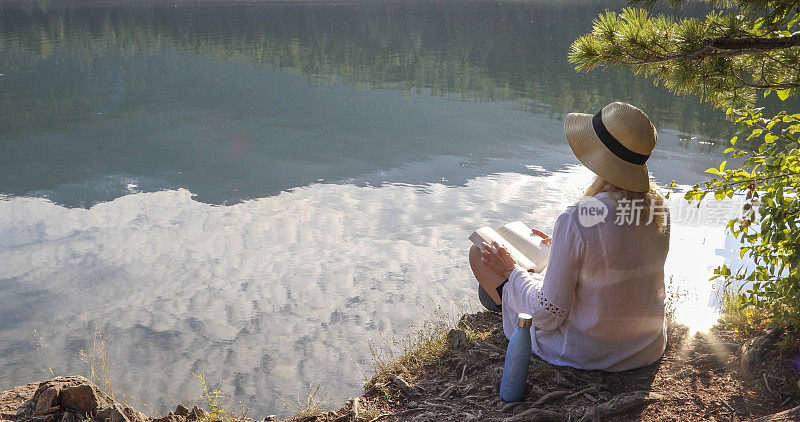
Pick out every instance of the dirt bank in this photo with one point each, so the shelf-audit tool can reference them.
(702, 377)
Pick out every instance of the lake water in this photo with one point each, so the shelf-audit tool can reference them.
(256, 191)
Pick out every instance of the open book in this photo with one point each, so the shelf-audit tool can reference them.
(524, 246)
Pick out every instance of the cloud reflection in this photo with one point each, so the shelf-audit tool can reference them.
(266, 295)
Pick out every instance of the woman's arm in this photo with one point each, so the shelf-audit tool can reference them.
(550, 300)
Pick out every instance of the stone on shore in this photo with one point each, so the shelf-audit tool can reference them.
(76, 399)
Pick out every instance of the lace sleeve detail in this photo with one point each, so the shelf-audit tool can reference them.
(549, 306)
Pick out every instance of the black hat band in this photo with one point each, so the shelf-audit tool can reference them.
(613, 144)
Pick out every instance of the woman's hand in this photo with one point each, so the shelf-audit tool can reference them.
(497, 258)
(547, 240)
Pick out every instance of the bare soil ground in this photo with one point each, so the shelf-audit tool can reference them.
(700, 378)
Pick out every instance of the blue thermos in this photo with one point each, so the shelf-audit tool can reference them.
(518, 356)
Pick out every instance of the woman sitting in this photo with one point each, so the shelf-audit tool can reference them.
(600, 302)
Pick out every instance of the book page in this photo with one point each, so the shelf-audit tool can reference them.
(488, 235)
(526, 242)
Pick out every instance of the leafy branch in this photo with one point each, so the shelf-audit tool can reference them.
(725, 59)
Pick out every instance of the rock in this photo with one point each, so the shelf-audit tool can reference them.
(456, 338)
(347, 417)
(82, 397)
(68, 417)
(182, 410)
(76, 393)
(17, 401)
(103, 414)
(198, 414)
(269, 418)
(46, 418)
(134, 415)
(74, 399)
(46, 399)
(170, 418)
(755, 349)
(412, 405)
(53, 409)
(62, 393)
(118, 414)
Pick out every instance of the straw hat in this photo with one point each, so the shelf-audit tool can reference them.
(614, 144)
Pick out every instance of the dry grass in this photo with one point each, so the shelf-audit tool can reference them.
(41, 345)
(313, 403)
(96, 357)
(422, 344)
(674, 295)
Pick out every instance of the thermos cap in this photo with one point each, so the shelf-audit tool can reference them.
(524, 320)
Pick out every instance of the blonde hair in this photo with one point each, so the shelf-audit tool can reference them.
(650, 201)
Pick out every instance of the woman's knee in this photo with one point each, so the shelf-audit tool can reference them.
(474, 255)
(474, 251)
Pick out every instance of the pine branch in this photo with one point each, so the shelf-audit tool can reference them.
(756, 43)
(731, 47)
(767, 86)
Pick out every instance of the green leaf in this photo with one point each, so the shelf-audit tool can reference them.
(770, 138)
(783, 93)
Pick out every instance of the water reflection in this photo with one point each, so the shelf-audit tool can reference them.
(257, 190)
(269, 294)
(242, 101)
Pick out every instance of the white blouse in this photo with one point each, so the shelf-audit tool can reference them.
(600, 302)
